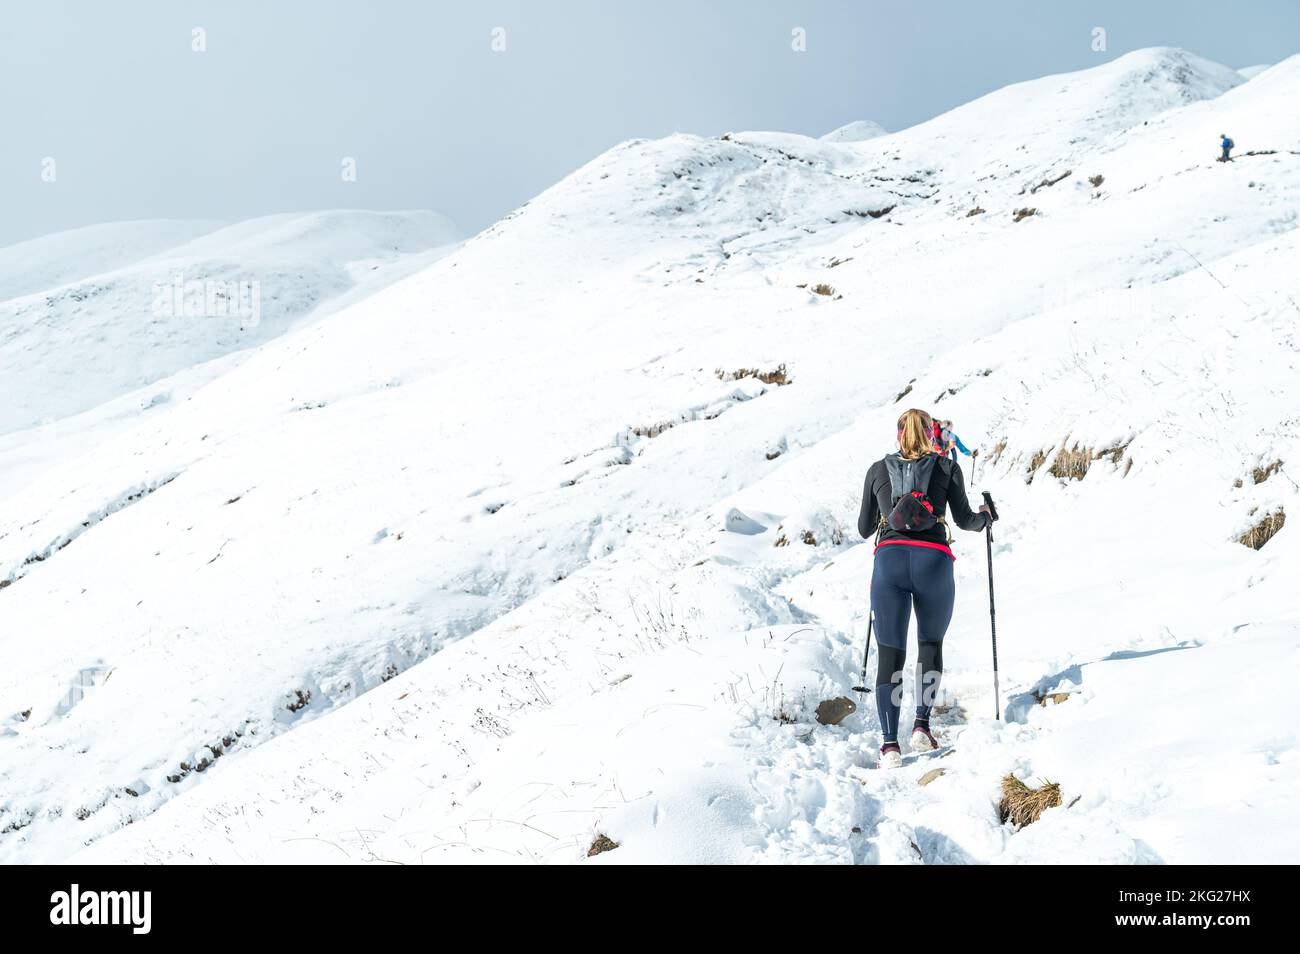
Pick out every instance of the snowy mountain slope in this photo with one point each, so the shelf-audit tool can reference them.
(697, 205)
(478, 439)
(64, 257)
(1027, 133)
(1043, 119)
(664, 696)
(74, 346)
(28, 457)
(346, 235)
(856, 131)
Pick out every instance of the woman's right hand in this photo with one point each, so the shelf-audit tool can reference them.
(984, 508)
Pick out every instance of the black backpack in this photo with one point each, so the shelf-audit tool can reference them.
(909, 484)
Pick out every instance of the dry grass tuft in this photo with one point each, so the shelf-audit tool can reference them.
(1056, 698)
(602, 843)
(1264, 530)
(1096, 181)
(1035, 464)
(1071, 464)
(1115, 454)
(999, 449)
(1021, 214)
(821, 288)
(1022, 805)
(810, 538)
(1261, 474)
(777, 375)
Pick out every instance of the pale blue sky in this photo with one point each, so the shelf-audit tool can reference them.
(140, 126)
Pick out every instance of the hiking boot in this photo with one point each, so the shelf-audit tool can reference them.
(922, 740)
(891, 757)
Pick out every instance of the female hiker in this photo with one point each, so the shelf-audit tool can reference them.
(904, 502)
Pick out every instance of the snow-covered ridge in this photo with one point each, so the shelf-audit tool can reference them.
(110, 323)
(857, 131)
(54, 260)
(520, 459)
(690, 204)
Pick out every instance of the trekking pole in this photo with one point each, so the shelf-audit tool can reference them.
(993, 619)
(871, 621)
(862, 687)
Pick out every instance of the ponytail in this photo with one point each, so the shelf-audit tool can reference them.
(915, 434)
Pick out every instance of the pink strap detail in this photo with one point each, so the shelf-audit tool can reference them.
(916, 543)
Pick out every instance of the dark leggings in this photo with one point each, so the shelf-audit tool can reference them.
(905, 577)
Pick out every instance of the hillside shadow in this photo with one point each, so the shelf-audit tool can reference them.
(1019, 705)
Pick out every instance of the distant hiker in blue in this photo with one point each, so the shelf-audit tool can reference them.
(1227, 145)
(950, 443)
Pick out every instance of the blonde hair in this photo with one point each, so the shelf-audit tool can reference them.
(915, 434)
